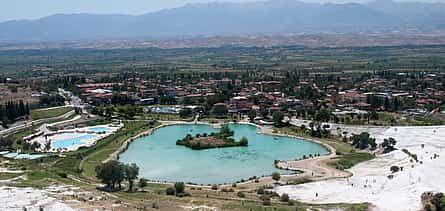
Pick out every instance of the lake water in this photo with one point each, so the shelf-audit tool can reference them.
(160, 159)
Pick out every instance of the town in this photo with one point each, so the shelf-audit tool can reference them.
(155, 125)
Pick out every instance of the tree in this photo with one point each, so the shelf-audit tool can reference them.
(131, 173)
(276, 176)
(179, 188)
(363, 141)
(252, 115)
(394, 169)
(225, 131)
(185, 113)
(220, 109)
(322, 116)
(244, 141)
(5, 143)
(278, 117)
(110, 173)
(388, 145)
(284, 198)
(374, 115)
(438, 201)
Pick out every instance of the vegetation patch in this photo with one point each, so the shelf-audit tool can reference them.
(49, 113)
(348, 160)
(213, 140)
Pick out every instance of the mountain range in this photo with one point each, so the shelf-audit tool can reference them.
(270, 17)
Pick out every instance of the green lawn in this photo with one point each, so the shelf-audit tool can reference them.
(5, 176)
(44, 114)
(348, 160)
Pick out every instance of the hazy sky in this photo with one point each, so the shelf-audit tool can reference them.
(32, 9)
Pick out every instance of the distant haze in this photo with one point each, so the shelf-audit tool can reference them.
(33, 9)
(276, 17)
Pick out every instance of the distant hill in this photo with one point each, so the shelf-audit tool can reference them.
(272, 17)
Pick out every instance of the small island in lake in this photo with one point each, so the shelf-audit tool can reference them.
(212, 140)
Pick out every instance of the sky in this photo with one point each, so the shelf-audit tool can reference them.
(33, 9)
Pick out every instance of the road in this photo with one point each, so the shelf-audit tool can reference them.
(73, 101)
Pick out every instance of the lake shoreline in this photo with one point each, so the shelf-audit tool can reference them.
(289, 165)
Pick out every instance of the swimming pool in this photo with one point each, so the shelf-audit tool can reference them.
(99, 129)
(159, 158)
(68, 142)
(15, 155)
(165, 110)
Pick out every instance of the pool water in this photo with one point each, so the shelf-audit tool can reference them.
(99, 129)
(164, 110)
(159, 158)
(65, 143)
(15, 155)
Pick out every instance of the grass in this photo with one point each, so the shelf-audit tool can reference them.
(424, 121)
(5, 176)
(49, 113)
(348, 160)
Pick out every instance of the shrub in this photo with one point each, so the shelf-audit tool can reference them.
(394, 169)
(260, 191)
(227, 190)
(62, 174)
(266, 200)
(214, 187)
(276, 176)
(170, 191)
(143, 183)
(241, 194)
(284, 198)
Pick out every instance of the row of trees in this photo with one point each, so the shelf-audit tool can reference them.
(124, 111)
(113, 173)
(363, 141)
(51, 100)
(12, 110)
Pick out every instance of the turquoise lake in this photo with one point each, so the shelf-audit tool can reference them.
(160, 159)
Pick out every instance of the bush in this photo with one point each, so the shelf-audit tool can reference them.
(394, 169)
(214, 187)
(284, 198)
(241, 194)
(170, 191)
(227, 190)
(62, 174)
(260, 191)
(143, 183)
(276, 176)
(266, 200)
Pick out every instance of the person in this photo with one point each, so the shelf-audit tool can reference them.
(316, 194)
